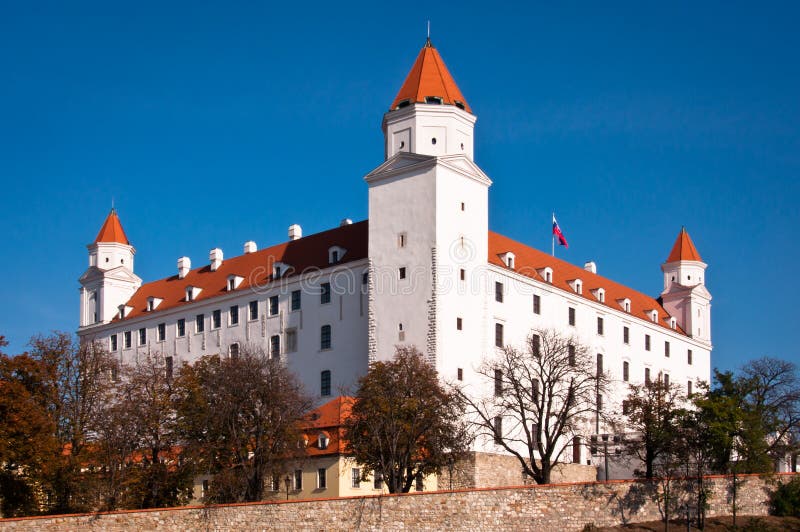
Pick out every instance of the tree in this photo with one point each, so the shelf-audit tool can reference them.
(652, 413)
(238, 419)
(404, 424)
(544, 394)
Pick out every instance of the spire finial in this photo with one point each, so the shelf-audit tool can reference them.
(428, 40)
(112, 203)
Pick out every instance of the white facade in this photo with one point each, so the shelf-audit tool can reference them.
(427, 278)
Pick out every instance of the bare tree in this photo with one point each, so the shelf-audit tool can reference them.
(404, 424)
(544, 395)
(239, 420)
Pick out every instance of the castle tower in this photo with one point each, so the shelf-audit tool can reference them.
(428, 223)
(109, 281)
(685, 295)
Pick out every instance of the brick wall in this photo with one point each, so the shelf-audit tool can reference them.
(555, 507)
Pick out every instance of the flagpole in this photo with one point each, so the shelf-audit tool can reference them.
(553, 237)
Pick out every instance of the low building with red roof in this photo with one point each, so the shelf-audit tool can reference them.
(425, 270)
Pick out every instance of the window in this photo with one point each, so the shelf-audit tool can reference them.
(325, 383)
(275, 346)
(463, 206)
(689, 357)
(666, 380)
(537, 304)
(688, 387)
(647, 342)
(325, 293)
(498, 335)
(291, 340)
(418, 484)
(189, 293)
(647, 375)
(498, 383)
(599, 364)
(334, 256)
(626, 335)
(498, 429)
(253, 310)
(498, 292)
(233, 351)
(114, 372)
(402, 272)
(626, 367)
(535, 390)
(273, 305)
(460, 374)
(365, 278)
(536, 345)
(114, 342)
(377, 483)
(142, 336)
(295, 300)
(216, 319)
(626, 407)
(276, 483)
(322, 481)
(571, 315)
(355, 478)
(571, 355)
(161, 332)
(127, 339)
(463, 274)
(200, 323)
(459, 324)
(181, 328)
(168, 368)
(231, 284)
(298, 479)
(325, 337)
(233, 315)
(666, 349)
(599, 325)
(401, 240)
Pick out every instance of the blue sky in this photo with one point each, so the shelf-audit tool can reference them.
(216, 123)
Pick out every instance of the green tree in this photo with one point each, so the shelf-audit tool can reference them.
(404, 424)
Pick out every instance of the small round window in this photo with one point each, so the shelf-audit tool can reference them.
(433, 140)
(402, 144)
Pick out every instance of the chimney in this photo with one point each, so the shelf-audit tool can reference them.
(184, 265)
(590, 266)
(295, 232)
(215, 258)
(250, 247)
(346, 221)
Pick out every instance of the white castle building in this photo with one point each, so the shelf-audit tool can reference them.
(424, 270)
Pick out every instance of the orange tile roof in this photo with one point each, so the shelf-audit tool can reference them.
(528, 260)
(429, 77)
(112, 230)
(302, 255)
(327, 419)
(683, 249)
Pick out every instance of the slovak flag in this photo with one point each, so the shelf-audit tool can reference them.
(557, 233)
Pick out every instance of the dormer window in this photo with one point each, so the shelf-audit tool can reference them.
(460, 104)
(508, 259)
(335, 254)
(654, 316)
(403, 103)
(152, 303)
(124, 310)
(323, 440)
(625, 303)
(436, 100)
(673, 323)
(192, 292)
(279, 269)
(546, 273)
(600, 294)
(577, 285)
(233, 282)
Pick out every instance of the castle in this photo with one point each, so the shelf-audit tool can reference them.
(423, 270)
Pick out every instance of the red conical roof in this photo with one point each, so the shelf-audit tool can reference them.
(112, 230)
(683, 249)
(429, 77)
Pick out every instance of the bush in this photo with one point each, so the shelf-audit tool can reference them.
(785, 500)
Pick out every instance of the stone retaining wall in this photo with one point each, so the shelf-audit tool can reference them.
(558, 508)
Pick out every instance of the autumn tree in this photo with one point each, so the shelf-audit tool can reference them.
(404, 424)
(238, 418)
(540, 398)
(652, 413)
